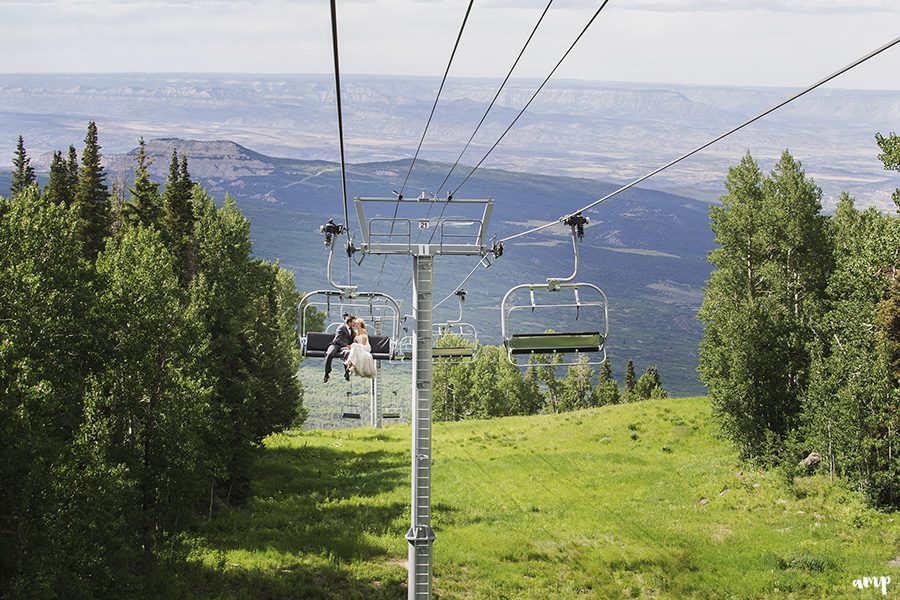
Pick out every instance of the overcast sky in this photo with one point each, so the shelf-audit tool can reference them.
(736, 42)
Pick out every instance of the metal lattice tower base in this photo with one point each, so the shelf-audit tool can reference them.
(420, 535)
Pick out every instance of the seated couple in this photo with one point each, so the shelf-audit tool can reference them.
(351, 342)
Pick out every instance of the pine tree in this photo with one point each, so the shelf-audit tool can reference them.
(72, 168)
(184, 179)
(605, 393)
(58, 189)
(23, 173)
(606, 373)
(630, 381)
(145, 206)
(172, 191)
(649, 385)
(92, 199)
(179, 218)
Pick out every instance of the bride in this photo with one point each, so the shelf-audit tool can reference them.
(359, 360)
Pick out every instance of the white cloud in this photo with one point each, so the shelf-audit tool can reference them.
(759, 42)
(787, 6)
(784, 6)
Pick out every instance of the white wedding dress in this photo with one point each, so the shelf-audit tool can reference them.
(361, 360)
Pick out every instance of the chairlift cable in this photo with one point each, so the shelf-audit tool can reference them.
(427, 125)
(486, 112)
(521, 112)
(461, 283)
(796, 96)
(438, 96)
(538, 91)
(496, 96)
(781, 104)
(340, 119)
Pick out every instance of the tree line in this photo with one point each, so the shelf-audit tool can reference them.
(144, 356)
(801, 351)
(488, 385)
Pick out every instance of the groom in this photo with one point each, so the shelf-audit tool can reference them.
(340, 345)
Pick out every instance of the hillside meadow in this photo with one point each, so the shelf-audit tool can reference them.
(637, 500)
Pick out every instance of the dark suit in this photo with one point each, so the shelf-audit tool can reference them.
(342, 339)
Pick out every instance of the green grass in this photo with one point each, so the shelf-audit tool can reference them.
(604, 503)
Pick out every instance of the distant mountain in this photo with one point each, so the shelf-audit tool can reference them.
(209, 161)
(607, 131)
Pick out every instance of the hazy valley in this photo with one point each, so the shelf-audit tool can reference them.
(607, 131)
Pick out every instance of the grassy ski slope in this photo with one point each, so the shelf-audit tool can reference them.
(640, 500)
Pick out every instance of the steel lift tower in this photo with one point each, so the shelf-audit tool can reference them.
(452, 236)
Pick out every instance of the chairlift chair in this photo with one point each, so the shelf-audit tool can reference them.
(314, 344)
(587, 340)
(392, 411)
(404, 348)
(465, 331)
(351, 409)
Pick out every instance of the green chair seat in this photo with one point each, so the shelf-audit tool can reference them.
(555, 343)
(453, 352)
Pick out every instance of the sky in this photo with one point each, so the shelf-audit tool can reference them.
(782, 43)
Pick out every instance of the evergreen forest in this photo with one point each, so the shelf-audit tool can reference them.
(145, 354)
